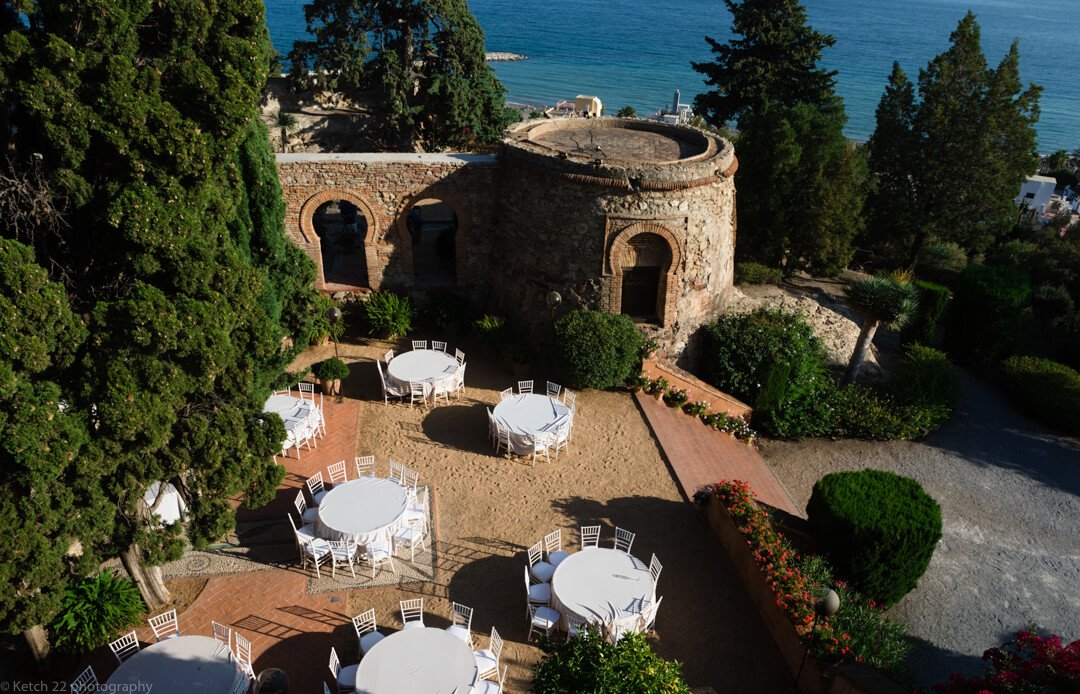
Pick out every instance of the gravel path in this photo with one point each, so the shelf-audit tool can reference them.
(1009, 491)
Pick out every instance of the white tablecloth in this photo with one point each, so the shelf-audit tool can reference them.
(365, 510)
(185, 664)
(301, 417)
(417, 661)
(530, 414)
(604, 587)
(423, 365)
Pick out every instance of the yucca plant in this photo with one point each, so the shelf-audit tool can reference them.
(389, 315)
(890, 299)
(94, 610)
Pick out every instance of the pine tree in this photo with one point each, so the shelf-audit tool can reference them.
(774, 62)
(418, 64)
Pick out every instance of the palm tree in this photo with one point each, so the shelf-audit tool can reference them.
(883, 299)
(285, 123)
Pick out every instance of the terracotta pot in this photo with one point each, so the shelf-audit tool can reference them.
(331, 387)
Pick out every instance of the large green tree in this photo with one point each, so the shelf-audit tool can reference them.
(418, 64)
(773, 60)
(143, 118)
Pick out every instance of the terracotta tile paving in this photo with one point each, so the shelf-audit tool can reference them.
(700, 455)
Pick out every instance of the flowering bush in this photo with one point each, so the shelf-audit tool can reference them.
(657, 386)
(696, 408)
(857, 633)
(676, 397)
(736, 426)
(1028, 663)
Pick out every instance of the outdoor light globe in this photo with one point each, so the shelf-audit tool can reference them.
(554, 299)
(333, 314)
(826, 602)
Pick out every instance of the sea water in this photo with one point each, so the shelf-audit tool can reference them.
(637, 52)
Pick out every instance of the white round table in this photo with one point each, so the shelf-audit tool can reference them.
(301, 417)
(365, 510)
(605, 587)
(185, 664)
(528, 415)
(417, 661)
(422, 365)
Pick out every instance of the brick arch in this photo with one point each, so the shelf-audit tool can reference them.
(403, 240)
(669, 277)
(371, 236)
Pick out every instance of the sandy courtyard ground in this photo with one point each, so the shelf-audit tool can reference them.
(488, 510)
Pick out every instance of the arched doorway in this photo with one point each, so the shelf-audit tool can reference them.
(341, 227)
(432, 225)
(644, 262)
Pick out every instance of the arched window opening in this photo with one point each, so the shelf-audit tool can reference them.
(645, 262)
(341, 228)
(432, 226)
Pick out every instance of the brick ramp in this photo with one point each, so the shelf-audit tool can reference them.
(701, 455)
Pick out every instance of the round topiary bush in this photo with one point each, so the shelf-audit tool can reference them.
(596, 349)
(878, 530)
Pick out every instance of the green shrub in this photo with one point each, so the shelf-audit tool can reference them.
(1045, 390)
(876, 528)
(492, 333)
(596, 349)
(1051, 301)
(932, 300)
(94, 610)
(756, 273)
(389, 315)
(985, 314)
(943, 256)
(926, 379)
(859, 411)
(331, 369)
(589, 663)
(445, 313)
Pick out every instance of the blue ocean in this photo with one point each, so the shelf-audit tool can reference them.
(638, 52)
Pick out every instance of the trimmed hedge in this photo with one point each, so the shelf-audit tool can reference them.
(984, 318)
(877, 529)
(596, 349)
(932, 301)
(331, 369)
(1044, 390)
(756, 273)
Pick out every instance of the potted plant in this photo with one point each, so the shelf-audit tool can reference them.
(657, 387)
(696, 408)
(492, 333)
(520, 354)
(676, 397)
(637, 382)
(330, 372)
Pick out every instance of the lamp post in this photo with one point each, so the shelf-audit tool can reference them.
(826, 603)
(553, 300)
(333, 314)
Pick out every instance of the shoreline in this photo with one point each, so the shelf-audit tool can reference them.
(503, 57)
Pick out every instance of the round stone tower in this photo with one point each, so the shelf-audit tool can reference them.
(628, 216)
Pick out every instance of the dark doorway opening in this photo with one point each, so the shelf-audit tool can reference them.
(640, 293)
(341, 227)
(432, 226)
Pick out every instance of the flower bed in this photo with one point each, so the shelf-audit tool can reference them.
(1028, 663)
(677, 398)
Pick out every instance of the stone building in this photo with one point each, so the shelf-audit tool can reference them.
(628, 216)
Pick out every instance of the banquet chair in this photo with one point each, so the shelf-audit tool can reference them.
(315, 488)
(345, 677)
(317, 550)
(509, 392)
(540, 569)
(389, 356)
(461, 623)
(307, 531)
(487, 659)
(575, 626)
(655, 567)
(503, 440)
(306, 389)
(342, 551)
(221, 632)
(419, 344)
(569, 398)
(378, 552)
(460, 356)
(493, 430)
(410, 479)
(416, 393)
(165, 625)
(397, 472)
(87, 681)
(457, 382)
(321, 413)
(553, 547)
(562, 436)
(590, 536)
(242, 651)
(389, 390)
(525, 387)
(648, 615)
(553, 389)
(125, 647)
(412, 613)
(535, 593)
(489, 687)
(417, 512)
(543, 443)
(543, 619)
(624, 539)
(337, 473)
(438, 346)
(365, 466)
(287, 391)
(308, 516)
(367, 634)
(442, 387)
(410, 535)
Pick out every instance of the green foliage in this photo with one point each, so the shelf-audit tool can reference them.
(773, 60)
(676, 397)
(1051, 301)
(626, 112)
(446, 312)
(756, 273)
(985, 313)
(876, 528)
(596, 349)
(388, 314)
(942, 257)
(418, 64)
(932, 301)
(926, 378)
(657, 386)
(1045, 390)
(332, 369)
(590, 663)
(492, 332)
(94, 610)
